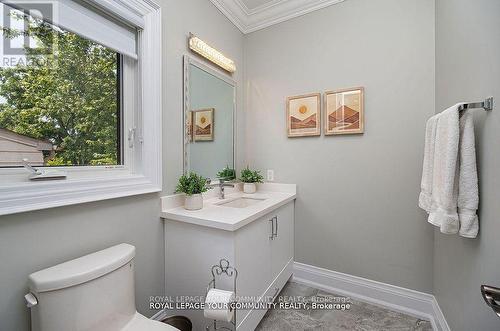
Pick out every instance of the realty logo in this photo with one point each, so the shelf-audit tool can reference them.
(22, 20)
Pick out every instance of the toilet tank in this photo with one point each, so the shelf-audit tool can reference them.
(93, 292)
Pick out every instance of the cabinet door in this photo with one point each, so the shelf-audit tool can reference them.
(253, 260)
(282, 243)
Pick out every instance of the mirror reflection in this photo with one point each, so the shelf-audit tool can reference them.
(209, 120)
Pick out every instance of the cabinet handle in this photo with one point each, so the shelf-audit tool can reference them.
(272, 229)
(276, 234)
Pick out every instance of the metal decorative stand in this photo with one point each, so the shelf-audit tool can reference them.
(223, 268)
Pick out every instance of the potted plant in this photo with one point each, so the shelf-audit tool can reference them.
(227, 173)
(249, 179)
(193, 185)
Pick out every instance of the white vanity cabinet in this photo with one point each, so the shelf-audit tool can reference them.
(282, 243)
(261, 251)
(264, 257)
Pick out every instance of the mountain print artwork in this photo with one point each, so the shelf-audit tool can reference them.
(303, 114)
(309, 122)
(343, 118)
(203, 124)
(200, 130)
(344, 111)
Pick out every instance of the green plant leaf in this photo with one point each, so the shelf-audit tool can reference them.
(192, 183)
(227, 173)
(251, 176)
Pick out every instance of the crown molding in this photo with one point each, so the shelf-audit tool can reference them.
(273, 12)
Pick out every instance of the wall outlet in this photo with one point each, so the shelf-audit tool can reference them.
(270, 175)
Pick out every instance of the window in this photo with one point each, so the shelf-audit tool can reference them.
(59, 101)
(80, 94)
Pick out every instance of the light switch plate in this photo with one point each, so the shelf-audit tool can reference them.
(270, 175)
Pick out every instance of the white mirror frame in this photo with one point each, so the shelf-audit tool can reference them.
(189, 60)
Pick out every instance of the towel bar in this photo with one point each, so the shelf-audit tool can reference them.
(486, 105)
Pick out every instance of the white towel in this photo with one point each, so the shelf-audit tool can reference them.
(449, 179)
(425, 198)
(468, 192)
(443, 212)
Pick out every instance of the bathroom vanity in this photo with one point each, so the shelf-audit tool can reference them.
(253, 232)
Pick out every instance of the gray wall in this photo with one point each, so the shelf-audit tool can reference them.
(357, 195)
(36, 240)
(202, 18)
(468, 68)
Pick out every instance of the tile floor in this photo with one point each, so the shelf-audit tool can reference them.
(361, 316)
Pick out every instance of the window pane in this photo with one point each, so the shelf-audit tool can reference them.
(59, 97)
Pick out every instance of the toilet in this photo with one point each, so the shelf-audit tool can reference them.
(93, 293)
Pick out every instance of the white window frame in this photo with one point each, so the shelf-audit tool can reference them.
(142, 172)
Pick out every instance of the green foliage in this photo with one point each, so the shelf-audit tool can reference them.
(192, 184)
(68, 96)
(227, 173)
(249, 176)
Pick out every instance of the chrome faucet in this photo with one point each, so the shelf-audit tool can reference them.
(221, 184)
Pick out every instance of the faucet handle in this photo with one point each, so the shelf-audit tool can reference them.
(30, 168)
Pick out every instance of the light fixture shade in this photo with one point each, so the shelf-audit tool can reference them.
(202, 48)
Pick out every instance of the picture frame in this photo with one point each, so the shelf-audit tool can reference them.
(303, 115)
(344, 111)
(203, 124)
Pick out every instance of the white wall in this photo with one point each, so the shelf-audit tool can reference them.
(468, 68)
(357, 195)
(36, 240)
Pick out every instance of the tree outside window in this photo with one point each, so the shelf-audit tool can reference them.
(68, 97)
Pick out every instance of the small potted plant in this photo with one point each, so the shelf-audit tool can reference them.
(227, 173)
(193, 185)
(249, 179)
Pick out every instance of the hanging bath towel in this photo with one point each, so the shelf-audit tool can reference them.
(468, 192)
(449, 181)
(425, 198)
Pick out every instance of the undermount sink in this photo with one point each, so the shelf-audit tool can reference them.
(242, 202)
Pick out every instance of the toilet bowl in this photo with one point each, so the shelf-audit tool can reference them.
(93, 293)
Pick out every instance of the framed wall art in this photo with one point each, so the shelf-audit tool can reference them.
(203, 124)
(344, 111)
(303, 115)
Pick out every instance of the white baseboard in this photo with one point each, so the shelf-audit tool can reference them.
(418, 304)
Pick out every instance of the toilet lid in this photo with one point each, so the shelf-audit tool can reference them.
(142, 323)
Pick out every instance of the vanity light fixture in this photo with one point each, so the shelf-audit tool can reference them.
(202, 48)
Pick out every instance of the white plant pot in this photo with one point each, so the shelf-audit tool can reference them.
(193, 202)
(249, 188)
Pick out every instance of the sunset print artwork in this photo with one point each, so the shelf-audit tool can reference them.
(344, 111)
(303, 115)
(203, 124)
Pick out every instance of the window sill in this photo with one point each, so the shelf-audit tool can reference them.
(41, 195)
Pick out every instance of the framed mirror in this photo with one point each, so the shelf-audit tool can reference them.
(209, 119)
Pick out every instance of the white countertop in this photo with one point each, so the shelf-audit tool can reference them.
(229, 218)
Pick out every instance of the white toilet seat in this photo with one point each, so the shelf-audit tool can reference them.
(142, 323)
